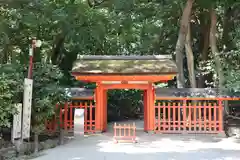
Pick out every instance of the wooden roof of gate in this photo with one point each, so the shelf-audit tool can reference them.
(206, 93)
(169, 93)
(79, 92)
(124, 65)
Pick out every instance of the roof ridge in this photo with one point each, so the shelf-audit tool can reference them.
(123, 57)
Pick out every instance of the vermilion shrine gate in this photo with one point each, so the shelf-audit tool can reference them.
(141, 72)
(124, 72)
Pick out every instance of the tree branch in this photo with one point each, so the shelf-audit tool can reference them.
(94, 3)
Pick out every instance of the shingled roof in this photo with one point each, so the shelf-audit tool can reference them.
(196, 92)
(79, 92)
(124, 65)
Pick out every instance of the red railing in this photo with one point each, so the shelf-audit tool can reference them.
(124, 133)
(66, 117)
(185, 117)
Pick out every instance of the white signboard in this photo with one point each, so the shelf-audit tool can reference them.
(79, 122)
(17, 123)
(27, 104)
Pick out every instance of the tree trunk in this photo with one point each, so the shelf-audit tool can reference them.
(215, 52)
(58, 44)
(228, 24)
(5, 53)
(191, 70)
(214, 49)
(204, 47)
(190, 59)
(181, 42)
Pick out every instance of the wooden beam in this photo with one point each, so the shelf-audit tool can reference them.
(83, 98)
(111, 82)
(123, 57)
(124, 82)
(137, 82)
(124, 86)
(149, 78)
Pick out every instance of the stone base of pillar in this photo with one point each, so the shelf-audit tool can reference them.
(151, 132)
(98, 132)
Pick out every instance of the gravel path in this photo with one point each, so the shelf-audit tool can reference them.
(150, 147)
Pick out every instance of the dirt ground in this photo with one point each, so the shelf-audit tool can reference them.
(149, 147)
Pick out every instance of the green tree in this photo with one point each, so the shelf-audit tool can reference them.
(72, 27)
(11, 86)
(47, 92)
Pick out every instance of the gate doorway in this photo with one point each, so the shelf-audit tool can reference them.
(125, 105)
(148, 104)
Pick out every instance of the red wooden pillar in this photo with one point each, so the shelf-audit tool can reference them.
(104, 110)
(150, 108)
(97, 113)
(99, 109)
(220, 114)
(145, 105)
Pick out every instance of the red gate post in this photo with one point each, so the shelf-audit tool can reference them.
(145, 110)
(151, 109)
(220, 114)
(104, 110)
(99, 109)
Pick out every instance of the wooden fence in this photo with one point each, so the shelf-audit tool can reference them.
(65, 119)
(124, 133)
(189, 117)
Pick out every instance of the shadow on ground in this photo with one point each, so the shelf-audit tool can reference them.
(166, 147)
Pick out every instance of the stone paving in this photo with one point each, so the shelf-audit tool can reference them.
(149, 147)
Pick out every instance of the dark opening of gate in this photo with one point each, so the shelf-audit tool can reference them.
(124, 105)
